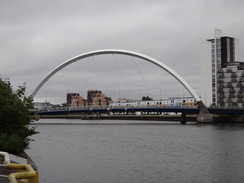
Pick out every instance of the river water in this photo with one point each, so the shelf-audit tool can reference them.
(103, 151)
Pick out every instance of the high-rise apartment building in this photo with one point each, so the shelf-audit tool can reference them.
(222, 72)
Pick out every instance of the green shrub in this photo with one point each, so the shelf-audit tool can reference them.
(12, 143)
(15, 116)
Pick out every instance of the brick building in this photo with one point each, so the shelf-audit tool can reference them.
(74, 100)
(98, 99)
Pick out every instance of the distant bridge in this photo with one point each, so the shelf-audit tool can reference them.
(223, 114)
(122, 52)
(204, 115)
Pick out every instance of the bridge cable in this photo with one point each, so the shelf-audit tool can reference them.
(65, 83)
(44, 89)
(82, 76)
(121, 74)
(76, 94)
(60, 87)
(101, 76)
(144, 81)
(93, 102)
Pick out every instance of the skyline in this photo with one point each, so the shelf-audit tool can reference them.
(36, 37)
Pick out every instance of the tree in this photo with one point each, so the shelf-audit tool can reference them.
(146, 98)
(16, 113)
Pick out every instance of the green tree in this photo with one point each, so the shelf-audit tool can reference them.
(146, 98)
(16, 113)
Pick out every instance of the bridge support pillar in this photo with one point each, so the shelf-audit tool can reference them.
(204, 115)
(183, 119)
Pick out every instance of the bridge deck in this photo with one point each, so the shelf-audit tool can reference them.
(142, 109)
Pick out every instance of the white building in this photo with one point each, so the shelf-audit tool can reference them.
(168, 102)
(42, 105)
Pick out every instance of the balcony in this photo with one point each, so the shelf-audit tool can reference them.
(221, 87)
(233, 75)
(239, 85)
(242, 79)
(229, 70)
(229, 100)
(240, 96)
(221, 102)
(220, 76)
(232, 95)
(221, 92)
(220, 81)
(241, 90)
(229, 85)
(240, 101)
(221, 96)
(232, 91)
(220, 70)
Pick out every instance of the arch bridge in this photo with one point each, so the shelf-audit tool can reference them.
(204, 115)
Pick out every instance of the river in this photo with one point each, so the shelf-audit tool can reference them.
(102, 151)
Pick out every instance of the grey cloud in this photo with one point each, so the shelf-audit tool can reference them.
(38, 36)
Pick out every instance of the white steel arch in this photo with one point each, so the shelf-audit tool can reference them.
(122, 52)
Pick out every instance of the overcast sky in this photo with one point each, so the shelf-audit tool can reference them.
(37, 36)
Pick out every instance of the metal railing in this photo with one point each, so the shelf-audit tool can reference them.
(24, 172)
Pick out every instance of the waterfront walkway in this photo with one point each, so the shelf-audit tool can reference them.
(4, 172)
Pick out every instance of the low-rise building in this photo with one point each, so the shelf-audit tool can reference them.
(74, 100)
(96, 98)
(168, 102)
(42, 106)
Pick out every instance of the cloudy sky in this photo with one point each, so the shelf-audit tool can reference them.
(37, 36)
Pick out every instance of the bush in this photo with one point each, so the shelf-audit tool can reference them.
(15, 116)
(12, 143)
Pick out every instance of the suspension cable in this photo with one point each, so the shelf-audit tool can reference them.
(144, 81)
(64, 83)
(83, 78)
(93, 102)
(121, 74)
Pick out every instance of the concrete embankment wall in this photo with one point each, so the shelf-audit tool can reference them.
(228, 119)
(176, 117)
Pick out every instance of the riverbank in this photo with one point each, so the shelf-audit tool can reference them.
(170, 117)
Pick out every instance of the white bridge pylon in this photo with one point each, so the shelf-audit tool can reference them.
(122, 52)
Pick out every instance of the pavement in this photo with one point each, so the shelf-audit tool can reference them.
(4, 172)
(4, 180)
